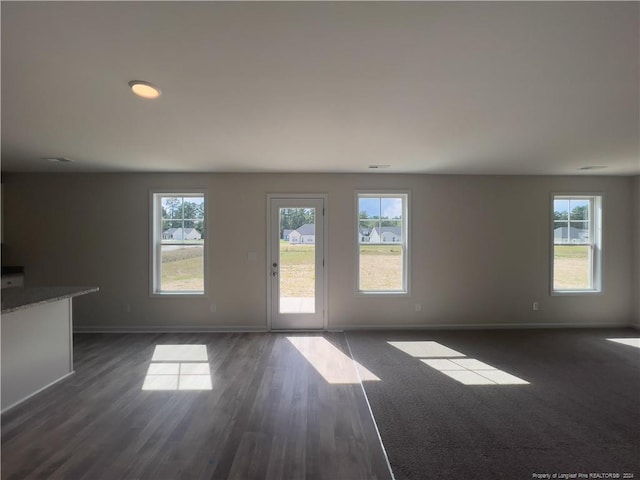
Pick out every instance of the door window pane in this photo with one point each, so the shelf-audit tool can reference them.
(297, 265)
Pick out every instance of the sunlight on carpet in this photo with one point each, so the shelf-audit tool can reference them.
(426, 349)
(467, 371)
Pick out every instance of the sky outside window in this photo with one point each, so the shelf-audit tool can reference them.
(381, 207)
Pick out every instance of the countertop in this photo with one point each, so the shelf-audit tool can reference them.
(18, 298)
(12, 270)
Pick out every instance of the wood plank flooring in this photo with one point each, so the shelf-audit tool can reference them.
(270, 414)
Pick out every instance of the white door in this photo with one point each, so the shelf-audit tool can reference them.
(296, 263)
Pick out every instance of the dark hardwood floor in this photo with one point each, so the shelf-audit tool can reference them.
(266, 412)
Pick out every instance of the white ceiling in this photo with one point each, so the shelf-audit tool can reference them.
(427, 87)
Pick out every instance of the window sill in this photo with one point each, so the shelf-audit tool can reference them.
(568, 293)
(178, 295)
(382, 294)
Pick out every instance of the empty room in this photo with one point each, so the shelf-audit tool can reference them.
(320, 240)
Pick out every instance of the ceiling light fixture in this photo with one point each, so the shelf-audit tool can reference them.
(144, 89)
(593, 167)
(57, 159)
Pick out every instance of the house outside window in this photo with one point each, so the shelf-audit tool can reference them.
(178, 243)
(383, 247)
(576, 264)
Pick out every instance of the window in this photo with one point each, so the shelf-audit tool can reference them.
(382, 243)
(577, 245)
(178, 243)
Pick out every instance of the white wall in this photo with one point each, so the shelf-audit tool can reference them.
(480, 248)
(636, 248)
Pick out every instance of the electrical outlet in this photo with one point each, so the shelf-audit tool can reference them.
(126, 307)
(536, 306)
(212, 308)
(418, 307)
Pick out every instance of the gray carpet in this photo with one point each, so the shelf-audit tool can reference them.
(579, 414)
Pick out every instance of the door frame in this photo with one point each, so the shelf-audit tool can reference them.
(325, 246)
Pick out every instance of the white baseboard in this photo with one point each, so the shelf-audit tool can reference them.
(478, 326)
(167, 329)
(341, 328)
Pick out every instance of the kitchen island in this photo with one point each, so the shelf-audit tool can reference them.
(37, 340)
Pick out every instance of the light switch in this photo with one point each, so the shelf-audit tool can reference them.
(252, 256)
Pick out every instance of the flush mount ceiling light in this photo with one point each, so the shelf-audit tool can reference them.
(57, 159)
(144, 89)
(593, 167)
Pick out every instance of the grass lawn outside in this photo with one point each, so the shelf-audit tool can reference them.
(297, 270)
(182, 269)
(571, 267)
(380, 268)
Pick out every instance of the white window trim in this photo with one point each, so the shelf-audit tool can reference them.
(406, 230)
(155, 233)
(596, 226)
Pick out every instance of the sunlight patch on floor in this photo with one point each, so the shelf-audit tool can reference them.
(333, 365)
(178, 367)
(426, 349)
(632, 342)
(467, 371)
(183, 353)
(470, 371)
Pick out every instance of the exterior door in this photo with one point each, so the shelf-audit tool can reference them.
(296, 263)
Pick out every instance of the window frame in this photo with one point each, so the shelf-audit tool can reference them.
(596, 202)
(406, 243)
(155, 243)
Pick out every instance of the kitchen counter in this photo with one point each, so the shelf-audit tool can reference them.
(12, 276)
(18, 298)
(36, 341)
(12, 270)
